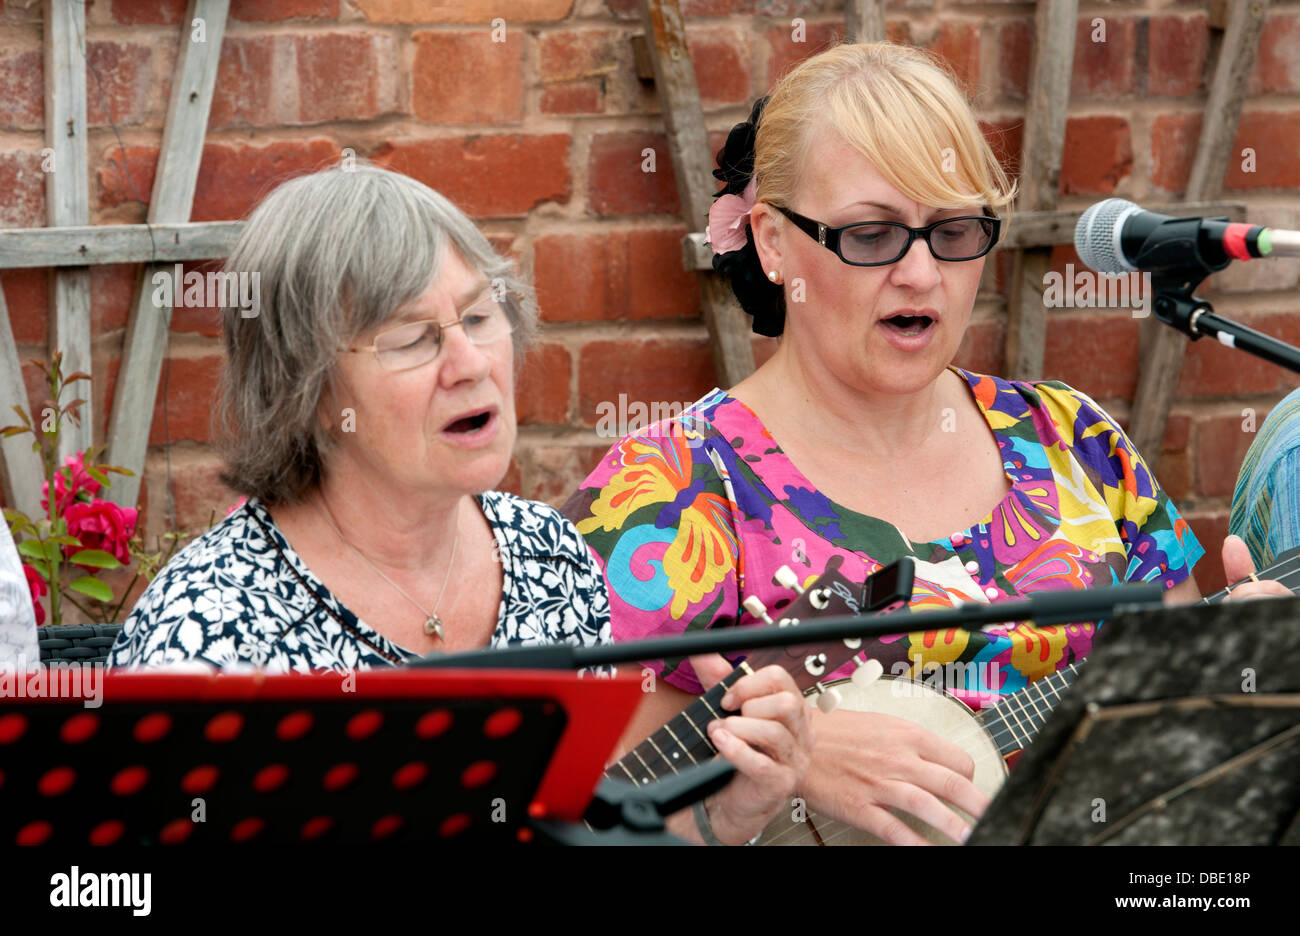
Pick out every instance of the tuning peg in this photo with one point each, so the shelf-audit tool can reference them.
(867, 673)
(829, 700)
(820, 598)
(786, 578)
(754, 605)
(787, 622)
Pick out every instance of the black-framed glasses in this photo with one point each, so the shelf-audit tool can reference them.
(879, 243)
(414, 344)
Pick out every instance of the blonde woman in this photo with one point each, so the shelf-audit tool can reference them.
(860, 202)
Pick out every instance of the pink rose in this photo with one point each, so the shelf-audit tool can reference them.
(102, 524)
(36, 585)
(81, 481)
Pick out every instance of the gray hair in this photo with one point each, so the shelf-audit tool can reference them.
(337, 253)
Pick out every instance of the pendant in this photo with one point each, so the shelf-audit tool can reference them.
(433, 625)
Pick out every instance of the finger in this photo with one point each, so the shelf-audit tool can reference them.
(785, 707)
(925, 806)
(753, 764)
(948, 786)
(771, 737)
(710, 668)
(1265, 589)
(940, 751)
(768, 680)
(1237, 563)
(887, 827)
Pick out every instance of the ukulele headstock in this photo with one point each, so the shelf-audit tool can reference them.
(831, 594)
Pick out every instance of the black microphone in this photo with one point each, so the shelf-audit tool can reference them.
(1117, 236)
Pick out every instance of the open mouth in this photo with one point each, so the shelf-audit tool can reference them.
(471, 423)
(908, 324)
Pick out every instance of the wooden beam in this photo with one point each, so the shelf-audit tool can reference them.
(864, 21)
(25, 248)
(22, 472)
(1040, 174)
(1028, 229)
(172, 199)
(67, 199)
(1162, 359)
(688, 144)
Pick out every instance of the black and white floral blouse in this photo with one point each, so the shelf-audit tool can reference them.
(239, 596)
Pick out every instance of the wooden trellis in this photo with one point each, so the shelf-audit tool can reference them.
(71, 246)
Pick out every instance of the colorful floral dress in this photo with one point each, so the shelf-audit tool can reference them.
(691, 516)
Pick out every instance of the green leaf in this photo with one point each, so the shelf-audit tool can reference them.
(22, 414)
(89, 585)
(17, 520)
(79, 375)
(35, 549)
(95, 557)
(97, 475)
(9, 431)
(64, 539)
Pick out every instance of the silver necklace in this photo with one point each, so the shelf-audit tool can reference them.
(433, 624)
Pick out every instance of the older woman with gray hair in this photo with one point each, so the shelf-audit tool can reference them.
(367, 411)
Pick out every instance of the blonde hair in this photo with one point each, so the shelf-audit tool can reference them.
(898, 106)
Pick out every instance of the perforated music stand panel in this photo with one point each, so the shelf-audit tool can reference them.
(401, 755)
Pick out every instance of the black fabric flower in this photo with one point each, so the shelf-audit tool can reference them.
(762, 300)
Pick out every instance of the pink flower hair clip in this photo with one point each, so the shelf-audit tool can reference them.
(728, 219)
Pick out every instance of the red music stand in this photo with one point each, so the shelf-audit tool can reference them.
(394, 755)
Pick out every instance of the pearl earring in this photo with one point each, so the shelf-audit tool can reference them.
(773, 275)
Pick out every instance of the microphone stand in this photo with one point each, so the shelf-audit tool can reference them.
(1174, 277)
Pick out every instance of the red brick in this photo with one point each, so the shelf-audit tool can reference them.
(721, 58)
(232, 178)
(112, 290)
(1272, 136)
(125, 72)
(1174, 474)
(616, 182)
(463, 77)
(1174, 139)
(663, 370)
(981, 349)
(614, 275)
(1210, 530)
(1098, 154)
(191, 387)
(543, 391)
(1179, 46)
(273, 11)
(199, 496)
(339, 75)
(1178, 430)
(1221, 444)
(22, 90)
(1104, 69)
(477, 12)
(1211, 370)
(785, 53)
(572, 97)
(958, 44)
(23, 185)
(555, 471)
(148, 12)
(567, 54)
(1097, 354)
(201, 319)
(1277, 61)
(496, 176)
(1015, 51)
(245, 90)
(28, 302)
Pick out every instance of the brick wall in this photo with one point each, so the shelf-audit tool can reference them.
(540, 138)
